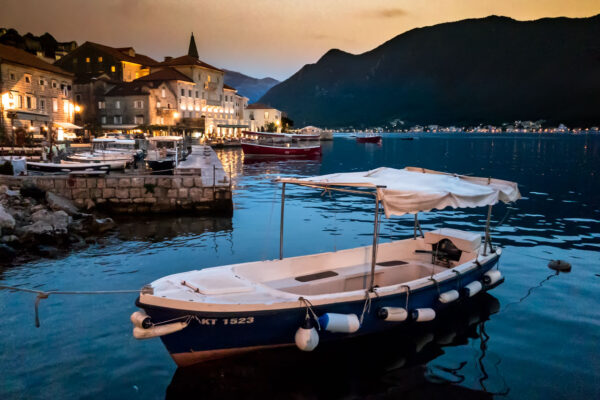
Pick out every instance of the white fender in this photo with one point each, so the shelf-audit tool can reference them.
(491, 277)
(423, 314)
(393, 314)
(449, 296)
(158, 330)
(140, 319)
(473, 288)
(306, 339)
(345, 323)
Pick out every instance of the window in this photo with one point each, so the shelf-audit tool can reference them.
(42, 82)
(158, 104)
(137, 75)
(87, 59)
(138, 119)
(266, 115)
(101, 105)
(12, 75)
(27, 78)
(117, 104)
(99, 59)
(103, 119)
(20, 101)
(163, 93)
(54, 85)
(29, 102)
(42, 105)
(183, 92)
(197, 94)
(78, 98)
(112, 68)
(55, 105)
(189, 93)
(117, 119)
(66, 106)
(138, 104)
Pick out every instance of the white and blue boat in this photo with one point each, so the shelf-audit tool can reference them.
(216, 312)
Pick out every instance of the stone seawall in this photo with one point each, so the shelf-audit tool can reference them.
(135, 194)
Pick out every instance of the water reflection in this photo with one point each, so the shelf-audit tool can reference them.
(394, 364)
(159, 228)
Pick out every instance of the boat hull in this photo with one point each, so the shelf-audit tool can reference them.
(368, 139)
(212, 335)
(66, 168)
(265, 150)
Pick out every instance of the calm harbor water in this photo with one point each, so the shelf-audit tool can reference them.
(535, 336)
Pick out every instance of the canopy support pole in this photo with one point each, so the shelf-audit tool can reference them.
(417, 226)
(487, 239)
(374, 249)
(281, 223)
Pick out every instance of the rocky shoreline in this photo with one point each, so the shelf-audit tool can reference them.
(35, 223)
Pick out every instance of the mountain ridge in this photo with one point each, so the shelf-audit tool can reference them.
(486, 70)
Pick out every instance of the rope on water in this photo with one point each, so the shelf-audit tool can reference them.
(45, 294)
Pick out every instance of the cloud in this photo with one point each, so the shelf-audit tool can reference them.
(385, 13)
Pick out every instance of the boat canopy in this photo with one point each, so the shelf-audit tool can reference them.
(410, 190)
(166, 139)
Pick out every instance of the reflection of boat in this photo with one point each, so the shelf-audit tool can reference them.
(368, 138)
(389, 364)
(220, 311)
(114, 165)
(256, 149)
(165, 152)
(66, 168)
(256, 159)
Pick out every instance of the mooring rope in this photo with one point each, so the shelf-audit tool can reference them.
(44, 295)
(309, 307)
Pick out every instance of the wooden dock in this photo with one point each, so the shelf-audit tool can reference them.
(203, 162)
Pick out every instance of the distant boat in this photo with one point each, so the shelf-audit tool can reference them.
(66, 168)
(256, 149)
(165, 152)
(368, 138)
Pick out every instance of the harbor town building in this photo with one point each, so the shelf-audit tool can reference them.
(261, 115)
(36, 97)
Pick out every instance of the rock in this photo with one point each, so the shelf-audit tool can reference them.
(6, 220)
(30, 190)
(57, 203)
(7, 253)
(89, 204)
(37, 208)
(9, 239)
(5, 190)
(48, 251)
(35, 231)
(59, 220)
(102, 225)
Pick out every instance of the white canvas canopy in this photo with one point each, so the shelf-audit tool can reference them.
(411, 189)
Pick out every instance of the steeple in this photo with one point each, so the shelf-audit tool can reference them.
(193, 51)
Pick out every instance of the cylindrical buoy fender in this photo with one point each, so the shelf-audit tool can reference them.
(473, 288)
(392, 314)
(423, 314)
(491, 277)
(449, 296)
(307, 337)
(344, 323)
(560, 265)
(158, 330)
(141, 320)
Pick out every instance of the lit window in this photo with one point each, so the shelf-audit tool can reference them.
(117, 104)
(158, 104)
(55, 105)
(99, 59)
(112, 68)
(164, 93)
(87, 59)
(101, 105)
(66, 106)
(137, 75)
(42, 105)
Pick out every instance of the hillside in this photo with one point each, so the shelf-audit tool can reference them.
(252, 88)
(487, 70)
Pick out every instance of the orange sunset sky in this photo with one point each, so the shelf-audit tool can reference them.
(259, 37)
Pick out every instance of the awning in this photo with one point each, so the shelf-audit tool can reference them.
(232, 126)
(411, 190)
(32, 116)
(119, 126)
(67, 125)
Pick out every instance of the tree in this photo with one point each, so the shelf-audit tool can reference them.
(286, 123)
(271, 127)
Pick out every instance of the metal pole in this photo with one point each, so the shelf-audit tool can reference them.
(415, 228)
(281, 223)
(487, 231)
(374, 249)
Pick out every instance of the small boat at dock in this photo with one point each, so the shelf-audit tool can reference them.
(165, 152)
(287, 150)
(66, 168)
(216, 312)
(114, 164)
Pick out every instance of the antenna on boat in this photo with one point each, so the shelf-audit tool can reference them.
(375, 240)
(281, 222)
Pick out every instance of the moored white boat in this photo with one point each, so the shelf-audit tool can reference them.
(215, 312)
(114, 165)
(66, 168)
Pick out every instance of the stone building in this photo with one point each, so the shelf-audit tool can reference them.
(260, 115)
(36, 96)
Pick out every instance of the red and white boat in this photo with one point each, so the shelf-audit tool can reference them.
(256, 149)
(273, 136)
(369, 138)
(304, 136)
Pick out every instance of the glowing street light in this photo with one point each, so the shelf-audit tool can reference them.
(175, 115)
(77, 108)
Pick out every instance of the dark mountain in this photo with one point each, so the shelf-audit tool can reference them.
(252, 88)
(474, 71)
(44, 45)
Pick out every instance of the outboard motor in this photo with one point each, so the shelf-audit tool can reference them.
(445, 251)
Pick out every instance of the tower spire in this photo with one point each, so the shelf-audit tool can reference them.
(193, 51)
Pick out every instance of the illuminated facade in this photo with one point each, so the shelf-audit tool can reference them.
(36, 96)
(260, 115)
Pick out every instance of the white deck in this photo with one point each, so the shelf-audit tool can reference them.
(321, 278)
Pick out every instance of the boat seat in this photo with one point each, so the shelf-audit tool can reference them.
(465, 241)
(217, 282)
(393, 263)
(314, 277)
